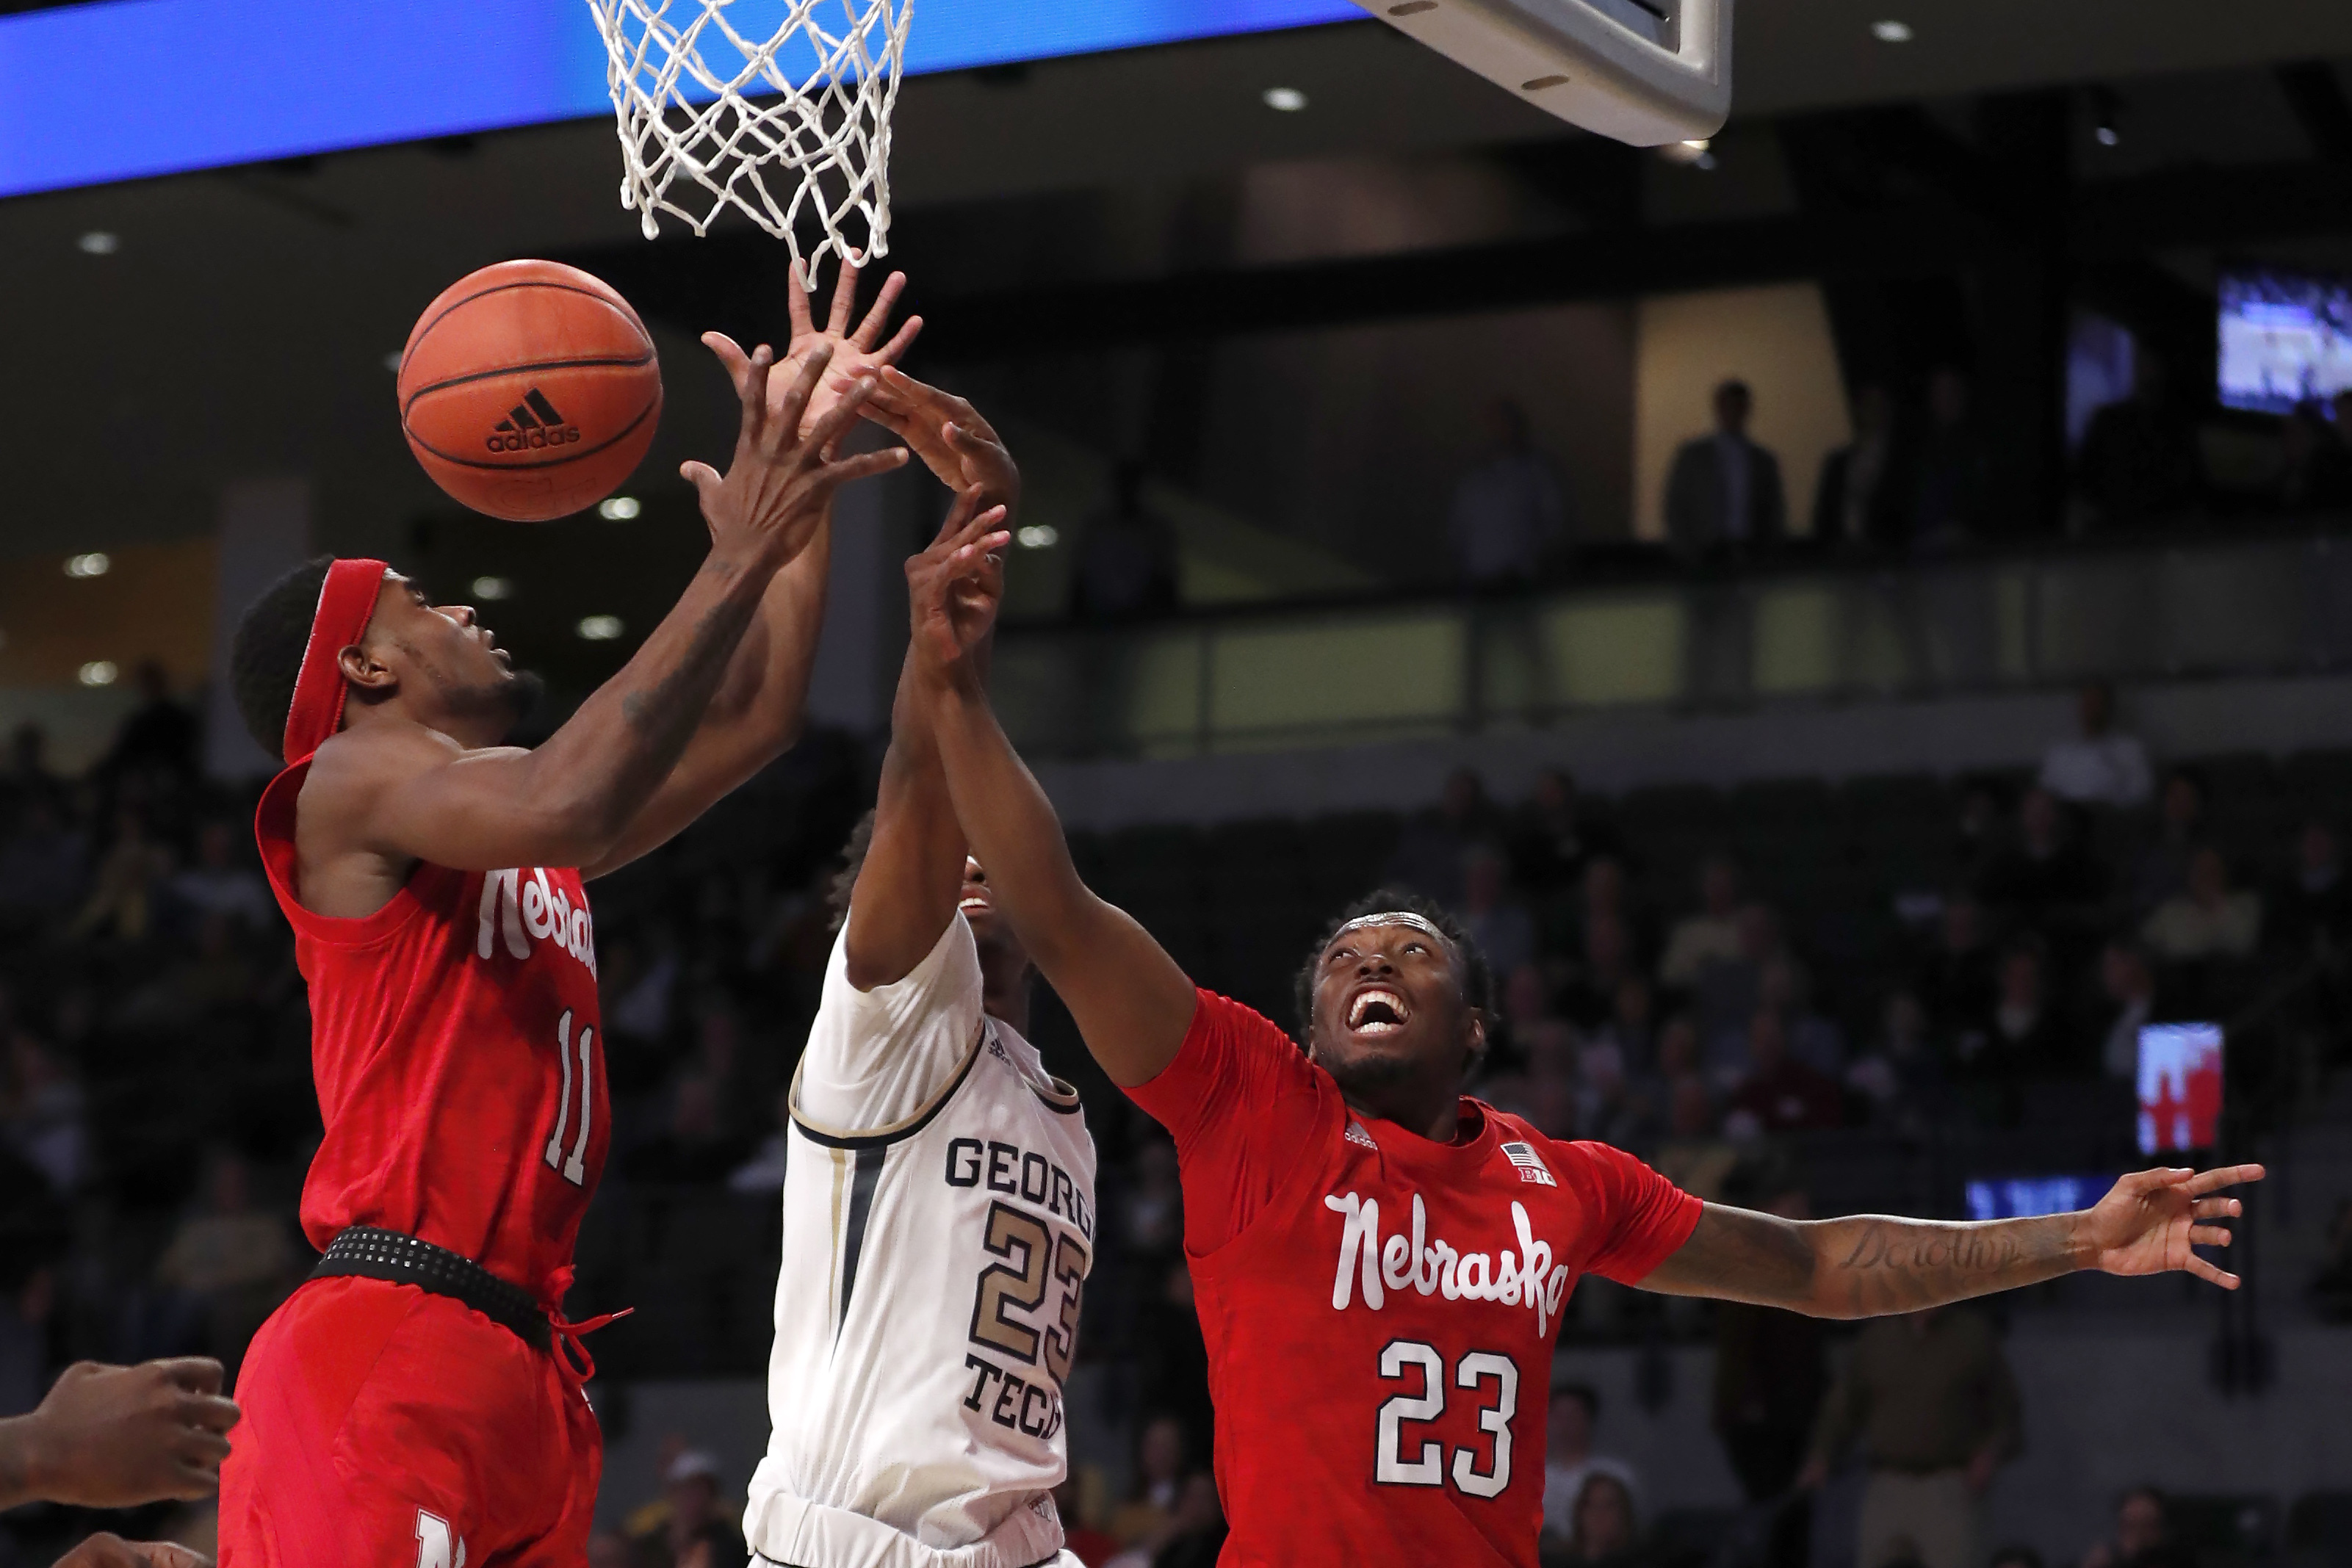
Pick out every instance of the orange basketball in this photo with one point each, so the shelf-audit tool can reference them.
(529, 391)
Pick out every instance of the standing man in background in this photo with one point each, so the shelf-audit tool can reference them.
(1935, 1405)
(1723, 493)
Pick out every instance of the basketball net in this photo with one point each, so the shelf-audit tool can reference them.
(792, 126)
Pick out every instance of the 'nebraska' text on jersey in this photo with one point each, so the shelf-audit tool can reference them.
(1379, 1309)
(456, 1041)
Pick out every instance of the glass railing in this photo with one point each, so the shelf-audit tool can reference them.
(1266, 678)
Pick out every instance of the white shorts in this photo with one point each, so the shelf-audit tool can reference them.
(791, 1533)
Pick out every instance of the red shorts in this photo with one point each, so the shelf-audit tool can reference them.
(384, 1425)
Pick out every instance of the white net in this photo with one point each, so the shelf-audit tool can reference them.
(762, 106)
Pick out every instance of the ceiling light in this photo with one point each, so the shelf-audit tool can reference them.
(493, 589)
(97, 563)
(98, 673)
(2106, 127)
(1038, 536)
(99, 242)
(618, 509)
(2108, 135)
(1692, 154)
(598, 628)
(1891, 31)
(392, 361)
(1286, 99)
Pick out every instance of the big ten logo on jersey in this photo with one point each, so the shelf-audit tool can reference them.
(1434, 1267)
(521, 908)
(1038, 1237)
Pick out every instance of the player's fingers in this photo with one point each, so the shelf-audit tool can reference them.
(847, 411)
(2208, 1236)
(2221, 1177)
(794, 400)
(2210, 1274)
(210, 1411)
(702, 475)
(845, 299)
(796, 299)
(753, 390)
(983, 549)
(878, 315)
(900, 341)
(197, 1374)
(2217, 1208)
(864, 466)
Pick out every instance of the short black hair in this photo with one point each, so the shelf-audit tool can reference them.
(265, 659)
(1477, 976)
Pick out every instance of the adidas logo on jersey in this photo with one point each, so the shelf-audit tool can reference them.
(1356, 1134)
(1530, 1164)
(520, 910)
(1427, 1264)
(531, 423)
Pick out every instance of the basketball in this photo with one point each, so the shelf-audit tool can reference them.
(529, 391)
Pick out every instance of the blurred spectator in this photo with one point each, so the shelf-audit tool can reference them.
(2024, 1039)
(1958, 979)
(1695, 1156)
(1780, 1093)
(1126, 556)
(1146, 1517)
(1784, 987)
(2143, 1537)
(1772, 1369)
(1084, 1540)
(2137, 463)
(1863, 495)
(1899, 1077)
(1729, 991)
(1977, 837)
(1606, 1526)
(693, 1530)
(2046, 874)
(1723, 492)
(609, 1548)
(2209, 919)
(1154, 1207)
(2101, 765)
(1554, 839)
(42, 864)
(1497, 922)
(694, 1146)
(2316, 472)
(28, 778)
(1172, 1370)
(2163, 867)
(1931, 1402)
(1955, 463)
(1603, 968)
(1709, 935)
(2129, 981)
(121, 896)
(232, 1261)
(763, 1173)
(42, 1115)
(1569, 1459)
(219, 885)
(210, 978)
(1608, 1110)
(159, 734)
(2310, 911)
(2016, 1555)
(1431, 850)
(1509, 511)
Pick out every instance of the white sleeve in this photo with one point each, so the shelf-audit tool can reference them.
(877, 1058)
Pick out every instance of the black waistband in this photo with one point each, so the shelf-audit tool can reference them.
(372, 1254)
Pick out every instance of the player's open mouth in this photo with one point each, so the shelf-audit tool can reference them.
(1378, 1010)
(977, 901)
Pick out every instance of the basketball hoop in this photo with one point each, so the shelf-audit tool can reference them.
(787, 124)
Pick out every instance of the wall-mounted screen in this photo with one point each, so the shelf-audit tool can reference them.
(2179, 1087)
(2286, 338)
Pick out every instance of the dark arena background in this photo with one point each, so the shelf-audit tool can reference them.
(1863, 841)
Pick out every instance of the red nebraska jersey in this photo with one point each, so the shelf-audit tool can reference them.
(454, 1040)
(1380, 1310)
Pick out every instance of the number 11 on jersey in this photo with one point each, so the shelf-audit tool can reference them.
(574, 1167)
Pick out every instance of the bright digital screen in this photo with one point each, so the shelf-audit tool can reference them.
(2179, 1087)
(126, 89)
(2285, 340)
(2029, 1197)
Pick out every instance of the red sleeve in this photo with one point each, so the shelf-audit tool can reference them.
(1241, 1102)
(1638, 1217)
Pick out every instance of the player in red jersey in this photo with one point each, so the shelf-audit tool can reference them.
(419, 1399)
(1380, 1263)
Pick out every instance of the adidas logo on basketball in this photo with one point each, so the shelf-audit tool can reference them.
(531, 425)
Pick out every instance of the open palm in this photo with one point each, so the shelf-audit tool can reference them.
(857, 353)
(2150, 1220)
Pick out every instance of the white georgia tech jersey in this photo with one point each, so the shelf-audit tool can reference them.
(938, 1226)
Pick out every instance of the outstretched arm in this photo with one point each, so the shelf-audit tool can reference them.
(1871, 1265)
(401, 792)
(756, 714)
(1131, 1002)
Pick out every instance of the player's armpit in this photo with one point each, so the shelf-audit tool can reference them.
(1739, 1255)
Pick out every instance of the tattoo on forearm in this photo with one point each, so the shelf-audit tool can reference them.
(1902, 1265)
(665, 714)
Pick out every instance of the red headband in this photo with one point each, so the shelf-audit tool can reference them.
(346, 604)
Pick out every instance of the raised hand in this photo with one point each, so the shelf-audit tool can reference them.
(954, 588)
(946, 433)
(116, 1437)
(855, 353)
(2149, 1221)
(773, 494)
